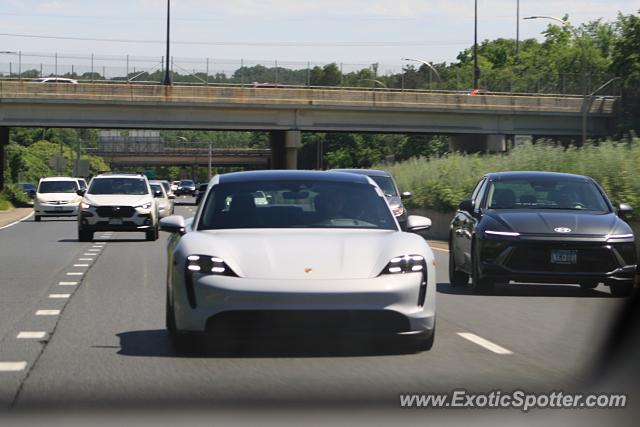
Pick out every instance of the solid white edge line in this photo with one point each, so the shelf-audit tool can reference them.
(439, 249)
(484, 343)
(12, 366)
(31, 335)
(47, 312)
(59, 296)
(17, 222)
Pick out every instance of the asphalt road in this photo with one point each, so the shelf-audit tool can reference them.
(107, 344)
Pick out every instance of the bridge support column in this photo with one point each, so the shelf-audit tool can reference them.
(284, 149)
(4, 141)
(472, 143)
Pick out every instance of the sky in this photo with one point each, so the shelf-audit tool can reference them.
(353, 33)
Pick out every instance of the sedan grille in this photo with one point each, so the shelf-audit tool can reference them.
(588, 260)
(116, 211)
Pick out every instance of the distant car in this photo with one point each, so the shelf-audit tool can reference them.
(56, 197)
(163, 200)
(118, 202)
(325, 257)
(541, 227)
(202, 189)
(174, 186)
(28, 188)
(186, 186)
(167, 186)
(54, 80)
(386, 182)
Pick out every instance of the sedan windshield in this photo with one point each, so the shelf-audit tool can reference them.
(127, 186)
(58, 187)
(386, 184)
(546, 193)
(303, 204)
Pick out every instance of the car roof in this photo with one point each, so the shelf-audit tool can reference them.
(368, 172)
(291, 175)
(58, 178)
(497, 176)
(119, 175)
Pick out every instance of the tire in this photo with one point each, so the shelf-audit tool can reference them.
(620, 290)
(152, 234)
(37, 218)
(456, 277)
(480, 284)
(84, 235)
(182, 343)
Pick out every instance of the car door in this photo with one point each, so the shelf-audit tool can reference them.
(467, 225)
(458, 227)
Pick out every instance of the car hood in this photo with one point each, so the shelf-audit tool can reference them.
(546, 222)
(116, 199)
(304, 253)
(53, 197)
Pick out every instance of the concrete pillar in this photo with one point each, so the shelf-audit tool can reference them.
(472, 143)
(284, 149)
(4, 141)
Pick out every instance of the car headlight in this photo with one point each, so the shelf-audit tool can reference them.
(397, 210)
(206, 264)
(84, 205)
(145, 206)
(405, 264)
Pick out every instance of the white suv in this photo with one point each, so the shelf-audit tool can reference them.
(56, 196)
(118, 202)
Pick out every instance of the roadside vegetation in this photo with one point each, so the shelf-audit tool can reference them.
(440, 183)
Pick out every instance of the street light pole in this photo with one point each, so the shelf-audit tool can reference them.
(476, 70)
(167, 73)
(431, 67)
(517, 28)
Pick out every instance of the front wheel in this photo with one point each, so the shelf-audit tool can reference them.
(37, 218)
(480, 284)
(152, 234)
(621, 289)
(84, 235)
(456, 277)
(180, 342)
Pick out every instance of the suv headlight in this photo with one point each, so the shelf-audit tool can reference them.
(205, 264)
(145, 206)
(405, 264)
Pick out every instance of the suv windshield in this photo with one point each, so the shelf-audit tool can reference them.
(127, 186)
(305, 204)
(546, 193)
(57, 187)
(386, 184)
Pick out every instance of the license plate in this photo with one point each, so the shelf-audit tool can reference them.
(57, 208)
(562, 256)
(115, 221)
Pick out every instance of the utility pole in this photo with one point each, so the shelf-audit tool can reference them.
(476, 70)
(167, 72)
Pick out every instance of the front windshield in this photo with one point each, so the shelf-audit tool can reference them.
(386, 184)
(546, 193)
(157, 187)
(300, 204)
(187, 182)
(126, 186)
(58, 187)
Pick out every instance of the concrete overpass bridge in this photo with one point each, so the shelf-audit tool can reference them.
(287, 111)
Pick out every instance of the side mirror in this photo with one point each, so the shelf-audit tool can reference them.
(173, 224)
(466, 205)
(624, 209)
(418, 223)
(80, 192)
(406, 195)
(172, 196)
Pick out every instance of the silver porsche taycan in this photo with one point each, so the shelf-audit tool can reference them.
(273, 253)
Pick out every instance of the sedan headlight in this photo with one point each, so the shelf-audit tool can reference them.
(397, 210)
(405, 264)
(205, 264)
(145, 206)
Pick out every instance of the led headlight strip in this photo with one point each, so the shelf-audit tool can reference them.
(205, 264)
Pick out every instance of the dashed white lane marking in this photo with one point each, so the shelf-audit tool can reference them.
(75, 273)
(59, 296)
(81, 265)
(47, 312)
(85, 259)
(89, 254)
(67, 283)
(12, 366)
(95, 250)
(31, 335)
(484, 343)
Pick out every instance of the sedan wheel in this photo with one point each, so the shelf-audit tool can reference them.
(621, 289)
(456, 277)
(181, 342)
(479, 283)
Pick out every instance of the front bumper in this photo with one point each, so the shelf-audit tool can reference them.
(530, 260)
(56, 210)
(139, 220)
(385, 305)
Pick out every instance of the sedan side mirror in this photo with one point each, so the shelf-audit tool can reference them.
(406, 195)
(173, 224)
(624, 209)
(418, 223)
(466, 205)
(80, 192)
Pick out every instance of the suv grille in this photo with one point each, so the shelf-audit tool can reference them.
(116, 211)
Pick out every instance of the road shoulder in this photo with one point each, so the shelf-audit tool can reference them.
(12, 215)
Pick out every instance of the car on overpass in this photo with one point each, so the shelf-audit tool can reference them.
(324, 256)
(541, 227)
(388, 184)
(118, 202)
(55, 80)
(56, 197)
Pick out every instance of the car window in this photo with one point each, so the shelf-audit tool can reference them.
(157, 187)
(125, 186)
(386, 184)
(58, 187)
(295, 204)
(547, 193)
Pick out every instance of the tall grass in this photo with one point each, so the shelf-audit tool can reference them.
(440, 183)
